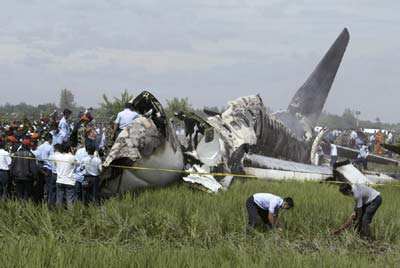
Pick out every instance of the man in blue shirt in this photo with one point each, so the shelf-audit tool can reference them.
(57, 135)
(43, 153)
(124, 119)
(266, 206)
(64, 127)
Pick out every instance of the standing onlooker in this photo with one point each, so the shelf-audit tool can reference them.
(379, 139)
(362, 156)
(65, 163)
(93, 166)
(43, 153)
(52, 181)
(5, 162)
(353, 137)
(24, 170)
(56, 134)
(64, 127)
(333, 154)
(372, 143)
(79, 173)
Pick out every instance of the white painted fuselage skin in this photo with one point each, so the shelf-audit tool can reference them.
(165, 157)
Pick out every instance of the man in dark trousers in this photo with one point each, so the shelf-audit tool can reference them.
(5, 162)
(368, 201)
(266, 206)
(24, 170)
(43, 153)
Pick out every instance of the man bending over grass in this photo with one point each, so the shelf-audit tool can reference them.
(266, 206)
(368, 201)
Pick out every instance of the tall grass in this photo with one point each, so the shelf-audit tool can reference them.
(177, 226)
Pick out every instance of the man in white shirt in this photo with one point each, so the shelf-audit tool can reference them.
(367, 202)
(266, 206)
(93, 166)
(79, 173)
(64, 127)
(124, 119)
(362, 157)
(5, 162)
(65, 166)
(56, 134)
(333, 154)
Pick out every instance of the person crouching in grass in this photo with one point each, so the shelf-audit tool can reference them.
(368, 201)
(266, 206)
(65, 165)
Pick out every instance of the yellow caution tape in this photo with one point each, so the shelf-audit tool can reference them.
(193, 172)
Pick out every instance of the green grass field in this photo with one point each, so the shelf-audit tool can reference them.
(178, 226)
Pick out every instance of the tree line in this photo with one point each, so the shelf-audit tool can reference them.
(110, 106)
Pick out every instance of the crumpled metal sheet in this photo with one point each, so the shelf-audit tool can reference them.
(237, 124)
(136, 141)
(206, 181)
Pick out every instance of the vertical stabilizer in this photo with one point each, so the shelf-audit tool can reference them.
(310, 99)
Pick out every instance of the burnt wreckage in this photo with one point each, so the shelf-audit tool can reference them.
(243, 137)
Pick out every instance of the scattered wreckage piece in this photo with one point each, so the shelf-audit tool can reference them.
(379, 178)
(207, 182)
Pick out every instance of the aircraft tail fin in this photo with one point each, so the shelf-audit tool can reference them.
(310, 99)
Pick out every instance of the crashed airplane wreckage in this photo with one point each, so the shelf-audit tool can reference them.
(243, 139)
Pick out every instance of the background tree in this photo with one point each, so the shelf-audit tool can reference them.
(177, 104)
(67, 100)
(110, 108)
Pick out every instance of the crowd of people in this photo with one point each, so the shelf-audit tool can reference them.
(365, 142)
(55, 159)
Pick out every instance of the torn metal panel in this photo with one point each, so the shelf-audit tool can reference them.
(352, 174)
(210, 152)
(379, 178)
(137, 140)
(237, 125)
(246, 123)
(206, 181)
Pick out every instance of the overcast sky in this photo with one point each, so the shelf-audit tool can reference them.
(208, 50)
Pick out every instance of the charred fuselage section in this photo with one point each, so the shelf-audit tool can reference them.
(150, 141)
